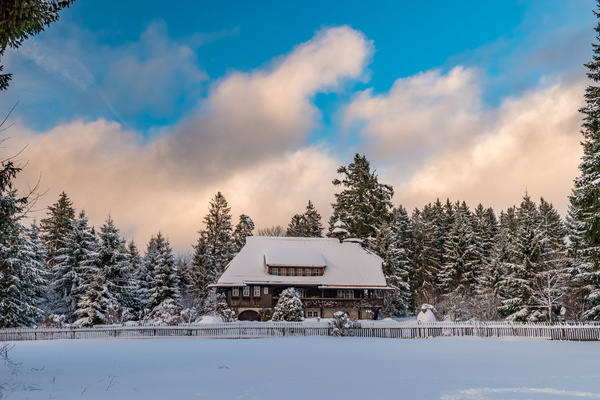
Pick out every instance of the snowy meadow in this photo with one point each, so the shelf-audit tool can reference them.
(304, 368)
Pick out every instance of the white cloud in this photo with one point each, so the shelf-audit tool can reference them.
(245, 140)
(418, 117)
(529, 143)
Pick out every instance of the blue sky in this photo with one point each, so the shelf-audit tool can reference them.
(145, 110)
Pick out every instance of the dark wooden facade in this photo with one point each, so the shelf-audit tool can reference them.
(357, 302)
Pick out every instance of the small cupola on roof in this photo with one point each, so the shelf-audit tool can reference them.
(339, 230)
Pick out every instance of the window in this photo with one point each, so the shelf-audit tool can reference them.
(292, 270)
(312, 314)
(345, 294)
(283, 272)
(274, 271)
(265, 290)
(246, 291)
(235, 291)
(256, 291)
(316, 272)
(299, 272)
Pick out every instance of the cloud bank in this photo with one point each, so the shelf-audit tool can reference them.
(431, 135)
(246, 139)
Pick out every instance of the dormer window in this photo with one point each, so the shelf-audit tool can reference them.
(280, 271)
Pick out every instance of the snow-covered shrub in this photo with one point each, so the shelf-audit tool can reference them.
(341, 324)
(189, 315)
(456, 307)
(265, 314)
(167, 312)
(222, 310)
(289, 307)
(426, 315)
(115, 314)
(53, 320)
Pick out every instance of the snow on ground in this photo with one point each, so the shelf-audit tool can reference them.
(305, 368)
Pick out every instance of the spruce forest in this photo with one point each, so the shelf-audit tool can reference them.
(525, 263)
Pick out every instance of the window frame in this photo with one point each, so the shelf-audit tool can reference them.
(246, 291)
(235, 292)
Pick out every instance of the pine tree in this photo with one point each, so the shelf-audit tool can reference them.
(58, 224)
(585, 199)
(485, 230)
(288, 307)
(458, 275)
(525, 263)
(20, 267)
(113, 263)
(165, 283)
(312, 219)
(551, 281)
(75, 267)
(95, 302)
(140, 279)
(307, 224)
(243, 229)
(425, 257)
(296, 227)
(364, 204)
(214, 250)
(393, 245)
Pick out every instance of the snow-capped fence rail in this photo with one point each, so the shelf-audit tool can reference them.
(375, 329)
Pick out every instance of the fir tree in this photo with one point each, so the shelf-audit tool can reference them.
(20, 267)
(214, 250)
(585, 199)
(141, 279)
(243, 229)
(307, 224)
(296, 227)
(165, 283)
(459, 271)
(364, 204)
(393, 244)
(524, 263)
(113, 263)
(95, 302)
(425, 257)
(75, 267)
(56, 226)
(288, 307)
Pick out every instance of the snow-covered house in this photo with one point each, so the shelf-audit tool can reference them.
(330, 275)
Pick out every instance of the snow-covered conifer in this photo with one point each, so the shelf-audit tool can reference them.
(214, 250)
(288, 307)
(364, 204)
(425, 257)
(165, 284)
(57, 225)
(243, 229)
(585, 200)
(393, 245)
(113, 263)
(75, 267)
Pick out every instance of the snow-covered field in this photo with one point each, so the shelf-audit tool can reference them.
(305, 368)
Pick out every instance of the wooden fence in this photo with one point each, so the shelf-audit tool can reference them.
(248, 330)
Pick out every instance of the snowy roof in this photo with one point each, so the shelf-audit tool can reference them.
(346, 264)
